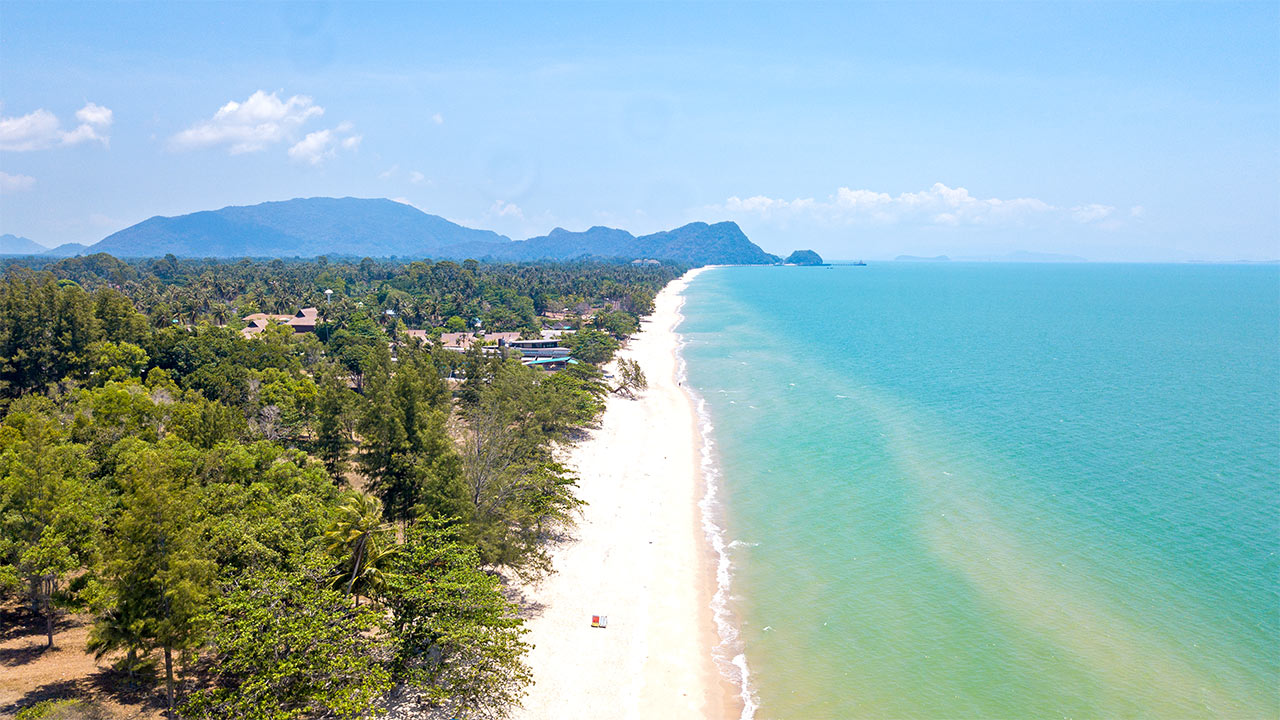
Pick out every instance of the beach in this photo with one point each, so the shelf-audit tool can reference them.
(638, 556)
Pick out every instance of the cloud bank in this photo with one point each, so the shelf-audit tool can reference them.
(938, 205)
(41, 129)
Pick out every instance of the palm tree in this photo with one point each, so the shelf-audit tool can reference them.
(357, 540)
(114, 631)
(221, 311)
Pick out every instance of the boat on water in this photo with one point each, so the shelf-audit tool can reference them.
(859, 263)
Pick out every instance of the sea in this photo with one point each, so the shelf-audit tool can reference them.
(971, 490)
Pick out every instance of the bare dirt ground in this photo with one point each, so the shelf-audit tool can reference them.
(30, 672)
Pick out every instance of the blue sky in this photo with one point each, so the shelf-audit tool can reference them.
(1112, 131)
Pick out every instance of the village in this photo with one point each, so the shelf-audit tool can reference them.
(543, 352)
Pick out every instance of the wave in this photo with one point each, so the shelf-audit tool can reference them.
(729, 653)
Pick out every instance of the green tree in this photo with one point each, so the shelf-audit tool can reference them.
(116, 361)
(333, 410)
(158, 573)
(405, 452)
(286, 646)
(50, 505)
(591, 346)
(631, 379)
(458, 640)
(516, 491)
(48, 562)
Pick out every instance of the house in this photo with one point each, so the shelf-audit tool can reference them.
(539, 348)
(302, 321)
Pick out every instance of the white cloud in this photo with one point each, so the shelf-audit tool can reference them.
(34, 131)
(937, 205)
(315, 148)
(416, 177)
(95, 114)
(506, 209)
(251, 126)
(15, 183)
(41, 129)
(322, 145)
(1091, 213)
(437, 119)
(1137, 211)
(386, 174)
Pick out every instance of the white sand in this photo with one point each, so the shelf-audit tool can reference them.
(639, 557)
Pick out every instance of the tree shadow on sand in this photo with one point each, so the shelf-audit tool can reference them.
(12, 657)
(141, 692)
(21, 621)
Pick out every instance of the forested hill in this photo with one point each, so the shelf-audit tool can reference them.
(297, 228)
(358, 227)
(694, 244)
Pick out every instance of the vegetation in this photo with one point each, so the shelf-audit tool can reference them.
(295, 525)
(804, 257)
(631, 379)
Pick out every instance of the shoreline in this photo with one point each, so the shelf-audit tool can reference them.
(638, 555)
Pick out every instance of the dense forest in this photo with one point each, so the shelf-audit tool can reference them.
(296, 524)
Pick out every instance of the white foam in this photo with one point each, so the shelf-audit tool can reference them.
(728, 654)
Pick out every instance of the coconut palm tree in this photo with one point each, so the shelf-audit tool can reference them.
(359, 540)
(221, 311)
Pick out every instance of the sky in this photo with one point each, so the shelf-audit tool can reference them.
(1111, 131)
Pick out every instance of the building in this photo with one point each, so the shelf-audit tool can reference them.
(302, 321)
(305, 320)
(539, 348)
(549, 363)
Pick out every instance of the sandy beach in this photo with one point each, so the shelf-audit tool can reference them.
(638, 556)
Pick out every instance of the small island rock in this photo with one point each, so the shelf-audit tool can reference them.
(804, 257)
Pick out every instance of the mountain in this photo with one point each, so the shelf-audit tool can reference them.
(14, 245)
(302, 227)
(804, 257)
(561, 244)
(68, 250)
(382, 228)
(698, 243)
(694, 244)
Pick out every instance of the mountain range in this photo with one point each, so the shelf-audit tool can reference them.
(308, 227)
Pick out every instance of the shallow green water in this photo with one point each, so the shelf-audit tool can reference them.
(998, 491)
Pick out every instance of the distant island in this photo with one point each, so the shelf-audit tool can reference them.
(356, 227)
(804, 257)
(917, 258)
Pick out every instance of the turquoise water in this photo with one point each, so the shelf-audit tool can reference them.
(998, 491)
